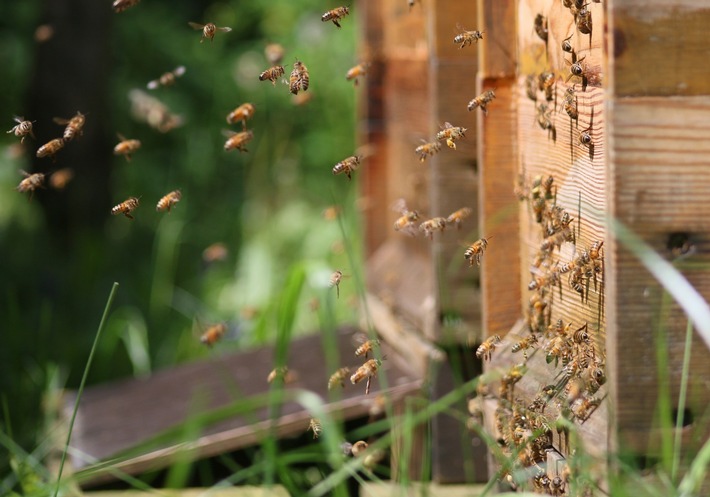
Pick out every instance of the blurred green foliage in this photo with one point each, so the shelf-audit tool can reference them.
(265, 205)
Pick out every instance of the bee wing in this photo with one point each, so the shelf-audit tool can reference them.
(179, 71)
(359, 338)
(446, 125)
(399, 205)
(18, 119)
(152, 85)
(228, 133)
(25, 173)
(60, 120)
(225, 29)
(121, 137)
(195, 25)
(459, 28)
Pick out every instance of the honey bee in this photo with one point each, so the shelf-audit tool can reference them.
(544, 279)
(357, 71)
(338, 378)
(450, 134)
(168, 201)
(526, 343)
(458, 216)
(126, 147)
(241, 113)
(432, 225)
(237, 140)
(585, 138)
(347, 166)
(335, 280)
(407, 219)
(50, 148)
(213, 334)
(544, 120)
(283, 374)
(531, 87)
(367, 370)
(335, 15)
(475, 251)
(481, 101)
(556, 348)
(315, 426)
(595, 249)
(467, 37)
(208, 30)
(22, 129)
(274, 53)
(510, 378)
(485, 350)
(427, 149)
(121, 5)
(59, 179)
(546, 83)
(567, 47)
(576, 69)
(272, 74)
(367, 347)
(215, 253)
(580, 335)
(570, 103)
(74, 126)
(584, 20)
(126, 207)
(557, 486)
(30, 183)
(299, 79)
(167, 78)
(584, 409)
(541, 27)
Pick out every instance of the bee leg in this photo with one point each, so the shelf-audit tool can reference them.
(335, 21)
(367, 387)
(128, 157)
(337, 294)
(128, 215)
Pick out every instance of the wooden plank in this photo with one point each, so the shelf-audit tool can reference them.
(659, 47)
(387, 489)
(240, 491)
(658, 184)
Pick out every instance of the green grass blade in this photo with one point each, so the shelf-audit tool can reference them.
(695, 477)
(83, 382)
(681, 400)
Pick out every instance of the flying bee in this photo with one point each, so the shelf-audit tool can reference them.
(168, 201)
(467, 37)
(274, 53)
(126, 207)
(475, 251)
(166, 79)
(126, 147)
(315, 426)
(283, 374)
(367, 370)
(347, 166)
(74, 126)
(546, 83)
(427, 149)
(458, 216)
(541, 27)
(241, 113)
(299, 79)
(407, 219)
(357, 71)
(450, 134)
(59, 179)
(50, 148)
(335, 15)
(213, 334)
(121, 5)
(584, 20)
(208, 30)
(485, 350)
(570, 103)
(335, 280)
(237, 141)
(22, 129)
(30, 183)
(529, 342)
(272, 74)
(432, 225)
(367, 346)
(481, 101)
(338, 378)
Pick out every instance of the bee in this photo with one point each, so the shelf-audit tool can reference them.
(367, 347)
(347, 166)
(557, 486)
(299, 79)
(22, 129)
(30, 183)
(584, 20)
(584, 409)
(531, 87)
(167, 78)
(475, 251)
(315, 427)
(274, 53)
(237, 140)
(121, 5)
(126, 207)
(585, 138)
(432, 225)
(357, 71)
(513, 376)
(241, 113)
(301, 99)
(74, 126)
(367, 370)
(546, 83)
(595, 249)
(335, 15)
(467, 37)
(578, 261)
(458, 216)
(570, 103)
(59, 179)
(481, 101)
(335, 280)
(427, 149)
(407, 219)
(126, 147)
(567, 47)
(338, 378)
(544, 279)
(576, 69)
(168, 201)
(213, 334)
(541, 27)
(272, 74)
(50, 148)
(544, 120)
(485, 350)
(215, 253)
(208, 30)
(450, 134)
(558, 347)
(580, 335)
(283, 374)
(526, 343)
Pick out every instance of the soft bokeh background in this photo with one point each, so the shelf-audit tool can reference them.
(61, 251)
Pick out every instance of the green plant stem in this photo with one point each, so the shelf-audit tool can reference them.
(83, 382)
(681, 400)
